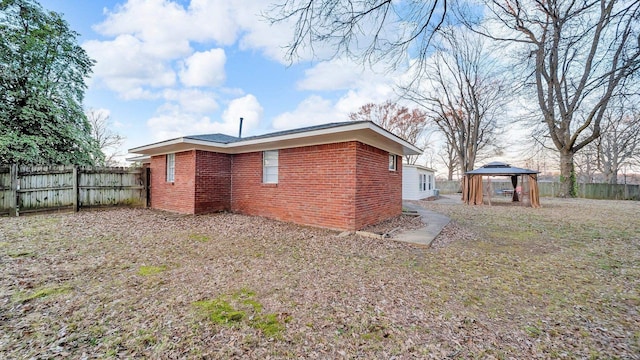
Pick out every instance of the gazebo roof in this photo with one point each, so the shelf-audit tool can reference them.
(500, 168)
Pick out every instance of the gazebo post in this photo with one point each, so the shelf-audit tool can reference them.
(522, 190)
(489, 189)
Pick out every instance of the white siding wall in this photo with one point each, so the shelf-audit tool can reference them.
(411, 183)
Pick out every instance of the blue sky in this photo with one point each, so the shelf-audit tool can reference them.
(171, 68)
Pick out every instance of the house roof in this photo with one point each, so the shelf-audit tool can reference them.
(500, 168)
(364, 131)
(420, 167)
(218, 138)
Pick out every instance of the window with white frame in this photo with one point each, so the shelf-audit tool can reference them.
(171, 167)
(392, 162)
(270, 167)
(422, 181)
(430, 182)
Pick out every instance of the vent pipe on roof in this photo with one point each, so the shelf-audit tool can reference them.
(240, 131)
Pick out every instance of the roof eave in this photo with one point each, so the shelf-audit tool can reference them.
(408, 148)
(502, 173)
(266, 143)
(426, 168)
(141, 159)
(182, 143)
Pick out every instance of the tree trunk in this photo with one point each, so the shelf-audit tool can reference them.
(568, 183)
(613, 177)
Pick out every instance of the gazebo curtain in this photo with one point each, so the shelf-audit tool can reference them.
(472, 189)
(534, 193)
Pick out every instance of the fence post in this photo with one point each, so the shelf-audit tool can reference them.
(145, 173)
(13, 192)
(76, 194)
(626, 192)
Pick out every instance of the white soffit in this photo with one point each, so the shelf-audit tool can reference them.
(365, 132)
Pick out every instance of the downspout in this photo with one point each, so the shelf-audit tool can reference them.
(231, 174)
(231, 183)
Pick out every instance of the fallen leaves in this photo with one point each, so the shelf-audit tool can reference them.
(563, 282)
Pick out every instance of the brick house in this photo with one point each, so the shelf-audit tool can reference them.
(341, 176)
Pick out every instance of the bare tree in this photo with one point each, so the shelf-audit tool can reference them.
(429, 152)
(619, 144)
(370, 31)
(108, 140)
(579, 53)
(463, 93)
(408, 124)
(586, 164)
(449, 158)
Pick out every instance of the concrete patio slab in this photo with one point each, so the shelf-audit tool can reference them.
(424, 236)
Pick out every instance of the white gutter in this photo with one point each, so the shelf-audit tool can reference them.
(293, 136)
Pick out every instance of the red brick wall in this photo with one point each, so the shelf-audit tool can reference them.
(213, 182)
(342, 186)
(178, 196)
(378, 190)
(316, 186)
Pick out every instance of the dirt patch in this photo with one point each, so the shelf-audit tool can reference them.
(558, 282)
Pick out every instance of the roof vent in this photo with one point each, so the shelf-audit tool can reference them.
(240, 130)
(497, 164)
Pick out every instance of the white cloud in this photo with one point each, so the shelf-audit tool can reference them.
(215, 20)
(246, 107)
(149, 41)
(204, 69)
(363, 85)
(125, 66)
(313, 110)
(175, 124)
(174, 121)
(331, 75)
(341, 74)
(354, 99)
(159, 23)
(259, 34)
(192, 100)
(316, 110)
(151, 44)
(168, 23)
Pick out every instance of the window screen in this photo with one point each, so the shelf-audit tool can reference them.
(171, 167)
(270, 167)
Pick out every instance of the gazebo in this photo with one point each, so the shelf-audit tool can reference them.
(472, 186)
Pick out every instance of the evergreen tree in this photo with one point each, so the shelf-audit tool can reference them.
(42, 84)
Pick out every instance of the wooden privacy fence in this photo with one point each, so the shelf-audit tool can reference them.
(587, 191)
(26, 189)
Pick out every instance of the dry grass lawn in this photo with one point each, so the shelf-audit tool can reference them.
(501, 282)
